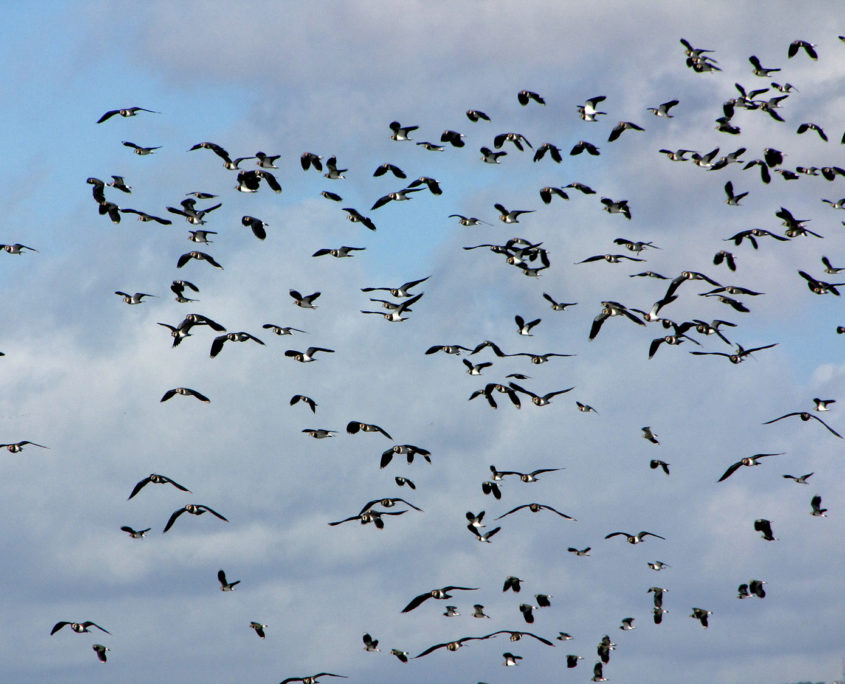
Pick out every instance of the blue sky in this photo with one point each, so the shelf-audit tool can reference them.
(83, 372)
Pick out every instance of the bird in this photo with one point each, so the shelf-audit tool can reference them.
(441, 594)
(732, 199)
(409, 450)
(516, 138)
(257, 226)
(449, 645)
(523, 327)
(649, 435)
(805, 416)
(621, 127)
(535, 508)
(308, 355)
(588, 111)
(138, 149)
(177, 287)
(370, 644)
(133, 298)
(133, 533)
(199, 256)
(16, 248)
(598, 673)
(250, 181)
(800, 479)
(797, 45)
(125, 112)
(527, 611)
(580, 552)
(340, 252)
(701, 615)
(304, 302)
(367, 517)
(319, 433)
(401, 291)
(281, 330)
(764, 527)
(662, 109)
(354, 426)
(584, 146)
(156, 479)
(657, 565)
(555, 153)
(747, 461)
(557, 306)
(476, 115)
(78, 627)
(482, 536)
(627, 624)
(511, 659)
(657, 463)
(816, 504)
(267, 161)
(224, 585)
(185, 392)
(306, 400)
(398, 196)
(488, 156)
(617, 207)
(17, 447)
(312, 679)
(218, 342)
(259, 629)
(402, 655)
(759, 69)
(391, 168)
(525, 96)
(634, 538)
(394, 315)
(201, 236)
(478, 611)
(809, 126)
(309, 159)
(572, 660)
(193, 509)
(507, 216)
(401, 132)
(538, 400)
(144, 217)
(332, 172)
(357, 217)
(101, 651)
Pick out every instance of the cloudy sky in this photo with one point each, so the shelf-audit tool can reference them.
(83, 372)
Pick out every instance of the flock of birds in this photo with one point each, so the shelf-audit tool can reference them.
(532, 259)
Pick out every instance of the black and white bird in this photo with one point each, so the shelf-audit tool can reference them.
(125, 112)
(155, 478)
(193, 509)
(225, 585)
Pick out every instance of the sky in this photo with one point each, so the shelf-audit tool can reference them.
(83, 372)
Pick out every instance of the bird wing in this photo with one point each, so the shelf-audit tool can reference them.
(145, 481)
(173, 517)
(415, 602)
(730, 471)
(213, 512)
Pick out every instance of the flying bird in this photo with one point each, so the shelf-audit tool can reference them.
(126, 112)
(441, 594)
(156, 479)
(225, 585)
(805, 416)
(78, 627)
(193, 509)
(185, 392)
(747, 461)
